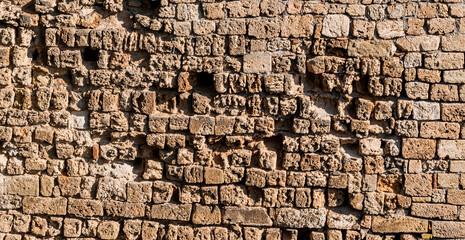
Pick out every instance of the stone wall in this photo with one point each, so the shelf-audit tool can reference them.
(225, 120)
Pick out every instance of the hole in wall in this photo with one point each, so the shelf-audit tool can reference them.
(205, 79)
(90, 55)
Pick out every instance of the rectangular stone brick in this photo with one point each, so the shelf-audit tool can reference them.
(418, 185)
(257, 63)
(454, 76)
(448, 229)
(451, 149)
(402, 224)
(124, 209)
(456, 196)
(453, 112)
(301, 218)
(47, 206)
(417, 148)
(27, 185)
(429, 210)
(457, 166)
(441, 60)
(453, 43)
(248, 216)
(371, 48)
(439, 130)
(85, 207)
(204, 125)
(171, 211)
(426, 110)
(418, 43)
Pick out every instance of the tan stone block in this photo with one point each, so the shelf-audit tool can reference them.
(448, 229)
(47, 206)
(124, 209)
(390, 29)
(442, 60)
(430, 76)
(214, 10)
(139, 192)
(417, 90)
(26, 185)
(399, 225)
(418, 184)
(428, 210)
(456, 196)
(439, 130)
(448, 180)
(247, 216)
(264, 29)
(108, 230)
(418, 148)
(298, 26)
(259, 62)
(371, 48)
(336, 25)
(363, 29)
(85, 207)
(206, 215)
(440, 25)
(171, 211)
(301, 218)
(213, 175)
(451, 149)
(443, 92)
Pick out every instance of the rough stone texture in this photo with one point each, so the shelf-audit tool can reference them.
(399, 225)
(303, 218)
(251, 119)
(446, 229)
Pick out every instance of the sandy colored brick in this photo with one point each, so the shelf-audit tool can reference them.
(417, 148)
(399, 225)
(434, 211)
(42, 205)
(418, 184)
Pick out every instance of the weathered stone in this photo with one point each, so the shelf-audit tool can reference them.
(23, 185)
(390, 29)
(248, 216)
(441, 211)
(451, 149)
(448, 229)
(301, 218)
(170, 211)
(418, 148)
(442, 60)
(336, 25)
(371, 48)
(42, 205)
(418, 184)
(206, 215)
(257, 63)
(399, 225)
(85, 207)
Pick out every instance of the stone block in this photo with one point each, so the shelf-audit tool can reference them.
(448, 229)
(301, 218)
(171, 211)
(85, 207)
(399, 225)
(247, 216)
(42, 205)
(26, 185)
(259, 62)
(336, 25)
(451, 149)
